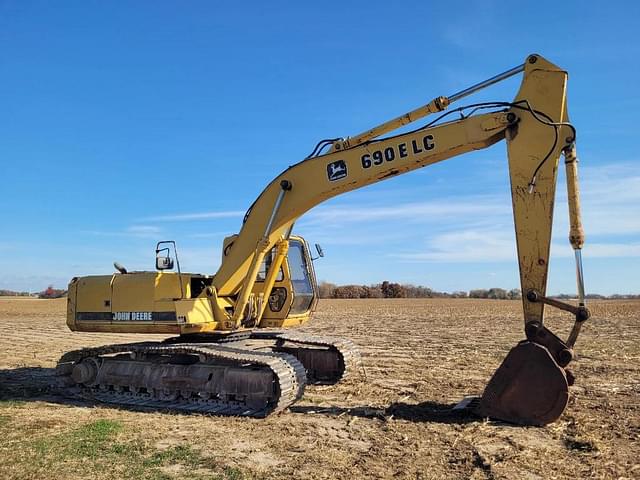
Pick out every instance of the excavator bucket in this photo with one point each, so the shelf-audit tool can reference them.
(529, 388)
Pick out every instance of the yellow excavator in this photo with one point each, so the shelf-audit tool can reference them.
(232, 352)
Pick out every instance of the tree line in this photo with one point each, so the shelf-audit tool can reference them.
(388, 289)
(49, 292)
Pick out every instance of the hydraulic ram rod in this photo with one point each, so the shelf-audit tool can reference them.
(479, 86)
(438, 104)
(576, 232)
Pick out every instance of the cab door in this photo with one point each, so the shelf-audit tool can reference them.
(303, 281)
(295, 293)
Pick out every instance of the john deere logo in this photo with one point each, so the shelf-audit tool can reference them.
(336, 170)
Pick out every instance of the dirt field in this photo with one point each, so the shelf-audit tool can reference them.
(420, 357)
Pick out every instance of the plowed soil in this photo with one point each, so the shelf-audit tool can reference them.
(420, 357)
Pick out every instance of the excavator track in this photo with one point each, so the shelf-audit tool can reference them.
(206, 378)
(327, 360)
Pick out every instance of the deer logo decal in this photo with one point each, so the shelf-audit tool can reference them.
(336, 170)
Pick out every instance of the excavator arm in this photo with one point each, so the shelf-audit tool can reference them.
(531, 386)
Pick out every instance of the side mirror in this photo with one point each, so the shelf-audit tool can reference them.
(319, 250)
(164, 263)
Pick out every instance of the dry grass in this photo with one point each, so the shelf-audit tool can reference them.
(420, 356)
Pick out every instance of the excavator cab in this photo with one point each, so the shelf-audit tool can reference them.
(294, 294)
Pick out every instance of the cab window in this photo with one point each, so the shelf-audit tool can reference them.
(303, 293)
(266, 265)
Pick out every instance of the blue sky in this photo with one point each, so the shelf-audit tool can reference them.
(128, 122)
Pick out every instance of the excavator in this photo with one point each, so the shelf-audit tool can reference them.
(232, 350)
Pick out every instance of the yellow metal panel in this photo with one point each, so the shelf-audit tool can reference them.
(290, 321)
(164, 306)
(167, 285)
(134, 292)
(196, 310)
(71, 304)
(94, 294)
